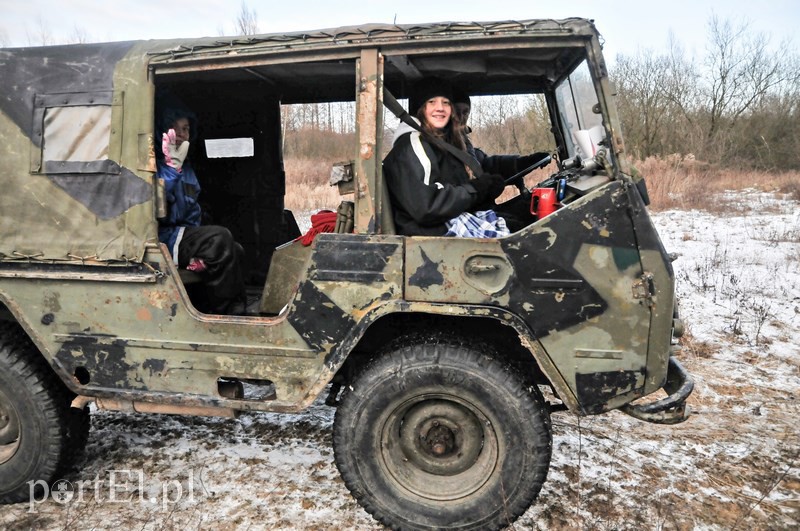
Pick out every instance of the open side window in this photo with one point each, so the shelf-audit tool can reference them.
(253, 124)
(507, 88)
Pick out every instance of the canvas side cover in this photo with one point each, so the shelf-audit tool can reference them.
(68, 167)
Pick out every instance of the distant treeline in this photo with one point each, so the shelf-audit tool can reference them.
(739, 106)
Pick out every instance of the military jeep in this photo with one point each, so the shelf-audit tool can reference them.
(438, 352)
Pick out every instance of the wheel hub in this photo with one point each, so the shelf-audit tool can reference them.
(9, 428)
(9, 422)
(439, 440)
(438, 446)
(441, 437)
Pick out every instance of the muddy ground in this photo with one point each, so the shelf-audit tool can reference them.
(733, 465)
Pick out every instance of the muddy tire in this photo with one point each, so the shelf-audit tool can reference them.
(40, 434)
(439, 434)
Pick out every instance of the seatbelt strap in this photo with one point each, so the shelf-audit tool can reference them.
(393, 105)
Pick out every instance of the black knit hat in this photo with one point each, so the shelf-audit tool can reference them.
(426, 89)
(459, 96)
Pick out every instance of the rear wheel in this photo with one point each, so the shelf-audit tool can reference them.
(39, 433)
(438, 434)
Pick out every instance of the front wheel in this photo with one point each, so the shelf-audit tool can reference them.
(438, 434)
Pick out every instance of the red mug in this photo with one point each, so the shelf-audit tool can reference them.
(543, 202)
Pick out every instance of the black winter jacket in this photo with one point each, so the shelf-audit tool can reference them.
(505, 165)
(427, 186)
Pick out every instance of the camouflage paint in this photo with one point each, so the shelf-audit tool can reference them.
(588, 290)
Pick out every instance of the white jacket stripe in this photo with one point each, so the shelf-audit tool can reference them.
(177, 244)
(419, 151)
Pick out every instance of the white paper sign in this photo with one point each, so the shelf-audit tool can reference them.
(220, 148)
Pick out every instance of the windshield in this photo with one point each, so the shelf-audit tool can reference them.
(576, 99)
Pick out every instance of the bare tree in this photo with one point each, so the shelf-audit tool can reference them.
(741, 73)
(642, 81)
(247, 20)
(41, 36)
(79, 35)
(683, 78)
(511, 124)
(768, 135)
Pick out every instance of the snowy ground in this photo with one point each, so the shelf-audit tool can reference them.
(733, 465)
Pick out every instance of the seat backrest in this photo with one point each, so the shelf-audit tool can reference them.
(387, 212)
(189, 277)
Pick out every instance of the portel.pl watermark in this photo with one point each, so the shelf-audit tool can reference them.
(116, 486)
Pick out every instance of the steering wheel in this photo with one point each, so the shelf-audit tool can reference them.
(516, 179)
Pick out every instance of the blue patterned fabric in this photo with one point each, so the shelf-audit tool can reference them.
(481, 224)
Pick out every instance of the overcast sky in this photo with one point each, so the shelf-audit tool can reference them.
(625, 24)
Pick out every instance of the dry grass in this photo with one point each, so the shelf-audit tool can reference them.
(673, 182)
(685, 183)
(699, 349)
(310, 172)
(306, 198)
(307, 185)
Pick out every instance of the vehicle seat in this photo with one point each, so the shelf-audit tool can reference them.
(288, 265)
(189, 277)
(387, 213)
